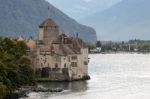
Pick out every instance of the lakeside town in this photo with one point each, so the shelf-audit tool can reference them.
(139, 46)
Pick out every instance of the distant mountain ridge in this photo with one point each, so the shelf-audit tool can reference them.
(126, 20)
(22, 17)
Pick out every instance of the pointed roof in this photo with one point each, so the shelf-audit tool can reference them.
(48, 23)
(20, 38)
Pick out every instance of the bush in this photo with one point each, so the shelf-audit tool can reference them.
(15, 65)
(3, 90)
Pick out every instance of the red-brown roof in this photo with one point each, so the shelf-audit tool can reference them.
(45, 48)
(31, 43)
(78, 43)
(59, 49)
(63, 45)
(62, 39)
(48, 23)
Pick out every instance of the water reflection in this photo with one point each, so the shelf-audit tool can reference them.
(76, 86)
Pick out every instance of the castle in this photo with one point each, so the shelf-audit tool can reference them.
(57, 56)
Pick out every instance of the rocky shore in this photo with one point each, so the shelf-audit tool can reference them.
(23, 91)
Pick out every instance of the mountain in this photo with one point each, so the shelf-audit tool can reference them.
(128, 19)
(76, 8)
(22, 17)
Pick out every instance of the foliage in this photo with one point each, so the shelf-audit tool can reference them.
(130, 46)
(15, 65)
(144, 47)
(98, 44)
(3, 91)
(91, 46)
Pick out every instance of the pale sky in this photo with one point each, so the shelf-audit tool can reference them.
(81, 8)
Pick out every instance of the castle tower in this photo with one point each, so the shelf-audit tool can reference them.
(49, 31)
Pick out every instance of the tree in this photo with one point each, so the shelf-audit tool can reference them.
(3, 90)
(15, 65)
(25, 69)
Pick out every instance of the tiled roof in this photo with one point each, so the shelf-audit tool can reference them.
(48, 23)
(64, 45)
(45, 48)
(78, 43)
(59, 49)
(62, 49)
(62, 39)
(31, 43)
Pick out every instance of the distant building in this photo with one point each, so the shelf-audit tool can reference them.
(20, 38)
(97, 49)
(58, 57)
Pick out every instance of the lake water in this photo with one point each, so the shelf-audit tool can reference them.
(113, 76)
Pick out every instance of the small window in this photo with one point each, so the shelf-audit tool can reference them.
(65, 65)
(69, 58)
(56, 65)
(74, 64)
(46, 30)
(85, 63)
(74, 57)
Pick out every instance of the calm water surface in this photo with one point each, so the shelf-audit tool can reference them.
(113, 76)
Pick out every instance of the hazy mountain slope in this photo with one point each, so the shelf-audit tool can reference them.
(22, 17)
(126, 20)
(81, 8)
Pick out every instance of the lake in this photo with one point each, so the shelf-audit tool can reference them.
(113, 76)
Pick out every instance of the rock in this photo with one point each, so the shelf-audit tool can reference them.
(41, 89)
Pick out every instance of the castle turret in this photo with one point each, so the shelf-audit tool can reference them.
(49, 31)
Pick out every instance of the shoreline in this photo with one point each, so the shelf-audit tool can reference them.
(24, 90)
(124, 52)
(71, 80)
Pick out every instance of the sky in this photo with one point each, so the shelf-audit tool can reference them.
(78, 9)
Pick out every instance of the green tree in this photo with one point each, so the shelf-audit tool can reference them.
(3, 90)
(27, 73)
(15, 65)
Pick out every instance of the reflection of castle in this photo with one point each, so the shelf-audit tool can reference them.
(76, 86)
(59, 57)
